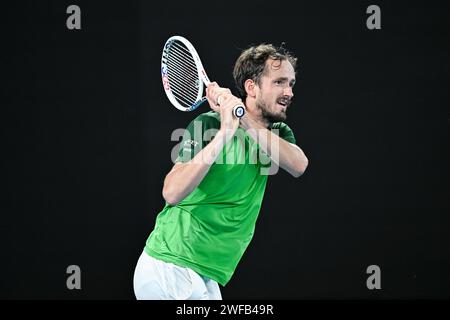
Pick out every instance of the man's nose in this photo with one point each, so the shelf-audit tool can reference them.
(288, 92)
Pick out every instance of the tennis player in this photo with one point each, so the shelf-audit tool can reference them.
(215, 189)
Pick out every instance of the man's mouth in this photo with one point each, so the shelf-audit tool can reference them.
(284, 102)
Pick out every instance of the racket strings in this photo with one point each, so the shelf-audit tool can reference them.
(183, 75)
(183, 54)
(178, 77)
(184, 64)
(181, 90)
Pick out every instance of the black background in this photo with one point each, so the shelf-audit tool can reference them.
(86, 144)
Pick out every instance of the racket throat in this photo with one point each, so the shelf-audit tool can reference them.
(197, 104)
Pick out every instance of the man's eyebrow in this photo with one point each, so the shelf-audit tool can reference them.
(291, 82)
(284, 78)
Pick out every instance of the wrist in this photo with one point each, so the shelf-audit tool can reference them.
(225, 134)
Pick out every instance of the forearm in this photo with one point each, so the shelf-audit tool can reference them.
(185, 177)
(285, 154)
(288, 156)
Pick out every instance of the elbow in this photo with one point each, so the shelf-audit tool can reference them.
(170, 196)
(300, 167)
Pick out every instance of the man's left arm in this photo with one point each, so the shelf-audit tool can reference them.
(287, 155)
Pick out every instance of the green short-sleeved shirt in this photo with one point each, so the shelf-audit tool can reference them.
(211, 228)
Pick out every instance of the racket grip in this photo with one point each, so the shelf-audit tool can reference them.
(238, 111)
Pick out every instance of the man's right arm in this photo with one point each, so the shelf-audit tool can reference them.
(185, 177)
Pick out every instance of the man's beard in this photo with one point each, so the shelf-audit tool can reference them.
(269, 114)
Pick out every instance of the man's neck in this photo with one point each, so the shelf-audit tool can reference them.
(256, 116)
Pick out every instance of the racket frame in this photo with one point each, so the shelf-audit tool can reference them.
(238, 110)
(203, 78)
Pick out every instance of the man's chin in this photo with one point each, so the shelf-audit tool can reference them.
(279, 117)
(273, 115)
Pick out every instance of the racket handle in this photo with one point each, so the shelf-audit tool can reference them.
(238, 111)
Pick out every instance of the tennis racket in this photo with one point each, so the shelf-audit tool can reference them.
(184, 77)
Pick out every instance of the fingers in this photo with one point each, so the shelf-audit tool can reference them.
(221, 100)
(214, 91)
(229, 101)
(221, 93)
(210, 96)
(211, 91)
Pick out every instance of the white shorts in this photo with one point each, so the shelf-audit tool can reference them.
(158, 280)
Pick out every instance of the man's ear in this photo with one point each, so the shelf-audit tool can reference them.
(249, 86)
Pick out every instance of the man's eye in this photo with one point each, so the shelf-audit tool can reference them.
(278, 82)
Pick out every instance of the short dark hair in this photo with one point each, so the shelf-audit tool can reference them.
(251, 64)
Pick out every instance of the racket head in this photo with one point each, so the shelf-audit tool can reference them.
(182, 73)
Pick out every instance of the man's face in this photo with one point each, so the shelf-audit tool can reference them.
(275, 90)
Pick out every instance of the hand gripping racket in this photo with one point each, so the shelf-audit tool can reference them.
(183, 76)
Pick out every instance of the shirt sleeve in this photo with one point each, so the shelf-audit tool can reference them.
(196, 136)
(284, 132)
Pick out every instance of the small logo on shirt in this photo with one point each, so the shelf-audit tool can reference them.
(190, 143)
